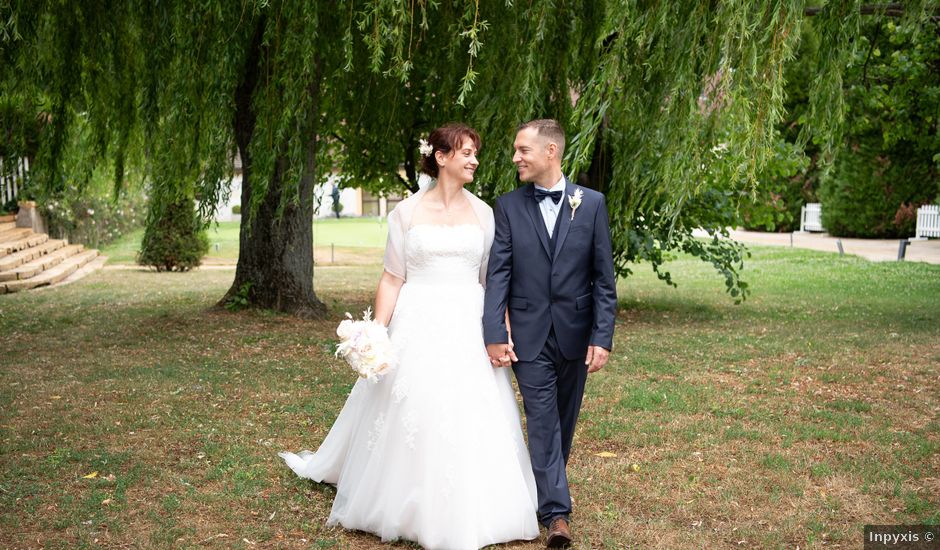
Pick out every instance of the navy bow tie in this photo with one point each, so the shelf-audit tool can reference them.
(541, 194)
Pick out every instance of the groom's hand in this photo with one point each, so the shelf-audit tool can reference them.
(501, 355)
(596, 358)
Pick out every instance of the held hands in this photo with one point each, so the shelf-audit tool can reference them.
(501, 355)
(596, 358)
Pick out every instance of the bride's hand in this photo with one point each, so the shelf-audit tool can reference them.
(510, 354)
(510, 349)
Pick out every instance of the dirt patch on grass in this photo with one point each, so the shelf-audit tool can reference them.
(743, 434)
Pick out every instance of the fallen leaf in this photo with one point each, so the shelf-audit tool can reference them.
(606, 454)
(106, 501)
(634, 467)
(92, 475)
(56, 397)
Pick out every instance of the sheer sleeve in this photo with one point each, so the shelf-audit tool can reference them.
(395, 245)
(399, 221)
(485, 216)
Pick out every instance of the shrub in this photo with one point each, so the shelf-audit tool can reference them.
(8, 207)
(888, 165)
(88, 208)
(873, 189)
(174, 240)
(236, 209)
(91, 219)
(785, 184)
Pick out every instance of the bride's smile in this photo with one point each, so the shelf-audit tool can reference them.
(458, 165)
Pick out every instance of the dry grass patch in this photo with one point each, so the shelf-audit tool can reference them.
(784, 422)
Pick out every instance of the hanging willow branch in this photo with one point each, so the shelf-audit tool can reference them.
(647, 91)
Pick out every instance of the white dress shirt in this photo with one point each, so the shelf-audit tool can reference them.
(551, 209)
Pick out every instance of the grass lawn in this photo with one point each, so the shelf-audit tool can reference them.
(343, 240)
(134, 414)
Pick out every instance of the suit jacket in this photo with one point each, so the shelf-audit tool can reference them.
(571, 287)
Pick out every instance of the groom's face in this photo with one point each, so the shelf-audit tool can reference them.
(532, 155)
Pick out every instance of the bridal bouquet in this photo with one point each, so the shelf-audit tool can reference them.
(365, 346)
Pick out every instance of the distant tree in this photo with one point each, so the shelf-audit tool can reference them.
(890, 161)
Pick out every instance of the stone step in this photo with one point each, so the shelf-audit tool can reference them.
(51, 276)
(37, 266)
(14, 234)
(6, 226)
(83, 272)
(19, 258)
(7, 218)
(7, 248)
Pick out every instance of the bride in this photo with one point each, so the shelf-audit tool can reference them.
(433, 452)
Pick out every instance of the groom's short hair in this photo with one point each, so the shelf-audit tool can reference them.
(548, 128)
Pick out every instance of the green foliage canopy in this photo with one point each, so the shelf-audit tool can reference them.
(300, 89)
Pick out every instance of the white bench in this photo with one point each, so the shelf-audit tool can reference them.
(811, 217)
(928, 221)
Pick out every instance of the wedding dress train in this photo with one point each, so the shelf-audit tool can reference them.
(433, 452)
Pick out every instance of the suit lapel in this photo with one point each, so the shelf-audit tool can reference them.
(565, 214)
(532, 207)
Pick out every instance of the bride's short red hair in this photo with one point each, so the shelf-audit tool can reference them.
(445, 139)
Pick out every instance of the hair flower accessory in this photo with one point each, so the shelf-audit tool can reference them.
(425, 148)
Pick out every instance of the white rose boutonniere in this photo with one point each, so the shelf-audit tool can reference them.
(574, 201)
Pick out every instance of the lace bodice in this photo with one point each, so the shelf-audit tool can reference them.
(449, 241)
(444, 254)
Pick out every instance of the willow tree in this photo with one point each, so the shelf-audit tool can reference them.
(198, 84)
(661, 100)
(490, 64)
(672, 109)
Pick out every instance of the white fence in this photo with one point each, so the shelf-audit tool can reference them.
(928, 222)
(811, 217)
(12, 176)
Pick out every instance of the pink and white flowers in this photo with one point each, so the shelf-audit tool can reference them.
(365, 346)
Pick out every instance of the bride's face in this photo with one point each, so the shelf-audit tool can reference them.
(461, 163)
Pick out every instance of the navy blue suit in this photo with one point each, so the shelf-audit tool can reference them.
(561, 296)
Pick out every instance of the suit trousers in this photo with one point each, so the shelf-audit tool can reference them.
(552, 388)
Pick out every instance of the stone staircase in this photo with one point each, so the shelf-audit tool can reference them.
(29, 259)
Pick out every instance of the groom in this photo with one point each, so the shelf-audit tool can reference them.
(551, 265)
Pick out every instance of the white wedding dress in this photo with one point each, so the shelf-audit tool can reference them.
(433, 452)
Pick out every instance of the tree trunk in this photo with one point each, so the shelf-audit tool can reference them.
(276, 253)
(598, 173)
(275, 256)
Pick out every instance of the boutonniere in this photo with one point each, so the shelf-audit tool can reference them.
(574, 201)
